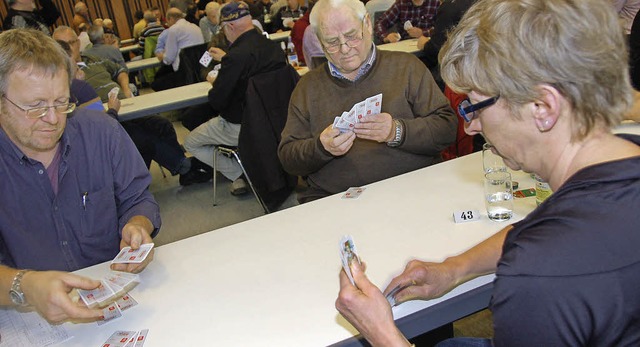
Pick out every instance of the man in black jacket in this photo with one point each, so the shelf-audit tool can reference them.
(23, 14)
(249, 54)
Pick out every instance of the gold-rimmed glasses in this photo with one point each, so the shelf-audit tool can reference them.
(39, 112)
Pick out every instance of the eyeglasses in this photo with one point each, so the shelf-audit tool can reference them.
(468, 110)
(39, 112)
(350, 41)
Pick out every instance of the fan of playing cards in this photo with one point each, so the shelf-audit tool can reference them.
(367, 107)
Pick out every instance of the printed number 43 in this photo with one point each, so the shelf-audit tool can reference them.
(466, 215)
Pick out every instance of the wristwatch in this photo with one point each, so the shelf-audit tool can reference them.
(397, 140)
(16, 294)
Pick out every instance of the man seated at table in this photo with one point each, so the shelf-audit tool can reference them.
(250, 54)
(287, 16)
(74, 189)
(415, 125)
(180, 34)
(102, 50)
(24, 14)
(392, 25)
(81, 16)
(154, 136)
(153, 28)
(569, 273)
(210, 22)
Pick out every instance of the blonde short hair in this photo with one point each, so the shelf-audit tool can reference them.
(511, 47)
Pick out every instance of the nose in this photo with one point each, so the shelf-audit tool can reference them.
(51, 116)
(344, 48)
(472, 128)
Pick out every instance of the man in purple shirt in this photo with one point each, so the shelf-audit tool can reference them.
(74, 188)
(418, 13)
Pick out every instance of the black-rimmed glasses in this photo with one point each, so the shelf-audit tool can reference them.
(468, 110)
(39, 112)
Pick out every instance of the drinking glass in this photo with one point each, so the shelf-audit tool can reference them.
(491, 161)
(498, 195)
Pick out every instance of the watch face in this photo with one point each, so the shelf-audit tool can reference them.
(16, 298)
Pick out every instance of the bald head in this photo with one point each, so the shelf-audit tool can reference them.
(212, 11)
(81, 8)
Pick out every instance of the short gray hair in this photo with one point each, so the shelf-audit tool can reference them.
(96, 34)
(30, 49)
(356, 7)
(511, 47)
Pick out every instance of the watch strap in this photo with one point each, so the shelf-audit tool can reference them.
(16, 293)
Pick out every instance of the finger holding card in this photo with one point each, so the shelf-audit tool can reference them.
(377, 127)
(335, 142)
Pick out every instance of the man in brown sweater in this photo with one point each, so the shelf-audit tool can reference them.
(414, 126)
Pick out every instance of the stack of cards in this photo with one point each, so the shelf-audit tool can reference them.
(123, 338)
(371, 105)
(408, 25)
(353, 193)
(348, 253)
(114, 310)
(112, 286)
(136, 256)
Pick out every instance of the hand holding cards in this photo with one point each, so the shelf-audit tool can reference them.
(348, 253)
(369, 106)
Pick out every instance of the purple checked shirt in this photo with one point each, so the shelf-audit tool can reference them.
(404, 10)
(102, 183)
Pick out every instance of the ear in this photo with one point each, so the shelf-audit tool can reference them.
(546, 109)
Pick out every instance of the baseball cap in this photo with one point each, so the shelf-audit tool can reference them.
(233, 11)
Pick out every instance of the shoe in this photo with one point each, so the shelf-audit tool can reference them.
(194, 176)
(238, 187)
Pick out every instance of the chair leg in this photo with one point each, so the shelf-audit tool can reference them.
(164, 175)
(260, 201)
(215, 174)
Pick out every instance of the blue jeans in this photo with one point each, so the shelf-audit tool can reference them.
(465, 342)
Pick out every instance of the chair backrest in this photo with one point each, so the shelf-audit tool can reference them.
(150, 44)
(190, 68)
(464, 142)
(264, 117)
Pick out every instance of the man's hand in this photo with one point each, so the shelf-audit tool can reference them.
(335, 142)
(376, 127)
(415, 32)
(136, 232)
(423, 281)
(392, 37)
(367, 309)
(422, 41)
(114, 102)
(48, 292)
(217, 53)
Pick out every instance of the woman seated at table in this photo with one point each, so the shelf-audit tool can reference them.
(544, 94)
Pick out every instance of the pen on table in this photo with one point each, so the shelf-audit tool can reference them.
(84, 200)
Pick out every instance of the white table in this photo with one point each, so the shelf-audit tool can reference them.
(141, 64)
(168, 100)
(127, 41)
(408, 46)
(273, 280)
(130, 48)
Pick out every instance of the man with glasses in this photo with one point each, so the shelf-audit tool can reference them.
(74, 188)
(415, 125)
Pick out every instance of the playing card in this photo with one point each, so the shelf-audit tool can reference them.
(96, 297)
(142, 337)
(128, 255)
(361, 110)
(121, 282)
(119, 338)
(126, 302)
(110, 313)
(350, 116)
(353, 193)
(373, 104)
(391, 296)
(348, 253)
(206, 58)
(408, 25)
(113, 92)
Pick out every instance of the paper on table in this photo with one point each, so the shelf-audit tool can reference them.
(29, 329)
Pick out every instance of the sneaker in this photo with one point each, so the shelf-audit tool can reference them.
(238, 187)
(194, 176)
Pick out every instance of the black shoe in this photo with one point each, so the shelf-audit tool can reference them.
(194, 176)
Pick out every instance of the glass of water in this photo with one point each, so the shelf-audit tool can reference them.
(491, 161)
(498, 195)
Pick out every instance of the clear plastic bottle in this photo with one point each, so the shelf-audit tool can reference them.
(543, 190)
(292, 56)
